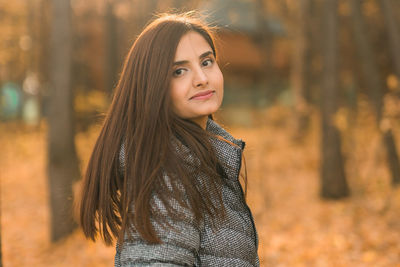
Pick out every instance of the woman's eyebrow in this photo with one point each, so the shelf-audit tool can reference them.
(205, 54)
(182, 62)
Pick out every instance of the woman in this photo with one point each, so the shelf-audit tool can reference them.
(163, 176)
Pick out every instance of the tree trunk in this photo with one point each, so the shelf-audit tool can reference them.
(44, 53)
(376, 87)
(300, 69)
(393, 32)
(394, 42)
(63, 167)
(111, 47)
(265, 40)
(334, 184)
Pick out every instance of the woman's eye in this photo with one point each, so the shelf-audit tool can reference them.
(207, 62)
(178, 72)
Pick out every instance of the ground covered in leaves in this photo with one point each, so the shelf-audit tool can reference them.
(296, 227)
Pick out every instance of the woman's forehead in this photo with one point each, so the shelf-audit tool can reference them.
(191, 46)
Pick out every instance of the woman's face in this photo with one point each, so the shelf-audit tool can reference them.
(197, 82)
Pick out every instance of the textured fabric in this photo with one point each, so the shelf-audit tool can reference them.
(233, 243)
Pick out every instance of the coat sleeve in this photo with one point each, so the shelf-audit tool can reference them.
(179, 247)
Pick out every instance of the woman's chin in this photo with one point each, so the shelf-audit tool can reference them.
(209, 109)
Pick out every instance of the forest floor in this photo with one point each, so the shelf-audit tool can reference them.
(295, 227)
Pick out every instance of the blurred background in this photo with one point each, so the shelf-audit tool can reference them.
(312, 86)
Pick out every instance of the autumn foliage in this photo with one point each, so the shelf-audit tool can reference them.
(295, 227)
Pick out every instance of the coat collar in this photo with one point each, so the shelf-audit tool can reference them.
(228, 149)
(215, 128)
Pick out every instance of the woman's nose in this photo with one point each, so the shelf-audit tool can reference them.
(200, 78)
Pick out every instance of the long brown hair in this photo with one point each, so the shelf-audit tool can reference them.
(156, 142)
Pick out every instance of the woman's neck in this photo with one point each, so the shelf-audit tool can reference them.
(202, 121)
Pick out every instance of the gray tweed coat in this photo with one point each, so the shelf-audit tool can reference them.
(233, 243)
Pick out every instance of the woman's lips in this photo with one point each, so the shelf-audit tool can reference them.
(203, 95)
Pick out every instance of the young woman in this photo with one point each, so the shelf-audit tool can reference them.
(163, 178)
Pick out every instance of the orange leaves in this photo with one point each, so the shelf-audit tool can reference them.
(295, 227)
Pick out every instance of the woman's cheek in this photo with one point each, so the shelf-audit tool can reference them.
(221, 87)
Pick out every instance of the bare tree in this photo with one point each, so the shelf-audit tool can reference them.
(376, 86)
(111, 46)
(63, 167)
(265, 40)
(300, 67)
(393, 32)
(333, 179)
(44, 39)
